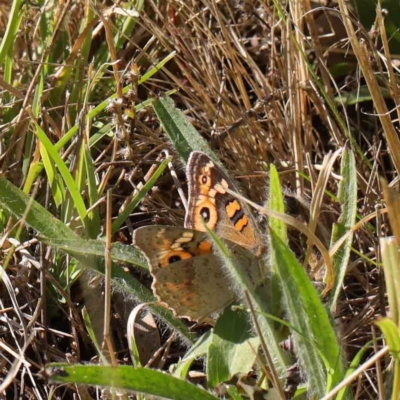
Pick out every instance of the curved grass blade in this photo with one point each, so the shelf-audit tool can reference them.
(391, 332)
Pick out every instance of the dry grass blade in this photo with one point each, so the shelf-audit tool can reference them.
(362, 53)
(392, 200)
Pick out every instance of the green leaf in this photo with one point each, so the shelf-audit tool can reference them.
(317, 346)
(93, 195)
(359, 95)
(22, 205)
(143, 380)
(355, 362)
(9, 38)
(199, 349)
(92, 334)
(347, 197)
(276, 203)
(391, 333)
(232, 349)
(181, 133)
(391, 268)
(54, 180)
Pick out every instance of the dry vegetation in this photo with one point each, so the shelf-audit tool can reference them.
(259, 81)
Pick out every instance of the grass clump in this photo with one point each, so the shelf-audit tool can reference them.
(99, 99)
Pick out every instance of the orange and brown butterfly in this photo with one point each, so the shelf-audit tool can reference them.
(187, 276)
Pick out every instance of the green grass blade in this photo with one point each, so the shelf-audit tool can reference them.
(318, 348)
(276, 203)
(199, 349)
(123, 216)
(56, 185)
(391, 268)
(10, 35)
(355, 362)
(17, 202)
(78, 92)
(143, 380)
(347, 197)
(66, 175)
(119, 252)
(92, 334)
(93, 196)
(157, 67)
(391, 333)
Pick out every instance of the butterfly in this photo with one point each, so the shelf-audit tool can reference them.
(187, 276)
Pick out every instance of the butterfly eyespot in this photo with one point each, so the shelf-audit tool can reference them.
(205, 213)
(174, 258)
(205, 180)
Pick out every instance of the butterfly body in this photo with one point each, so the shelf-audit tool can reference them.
(188, 277)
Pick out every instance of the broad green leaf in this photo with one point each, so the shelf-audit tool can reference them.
(347, 197)
(143, 380)
(181, 133)
(22, 205)
(317, 345)
(232, 349)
